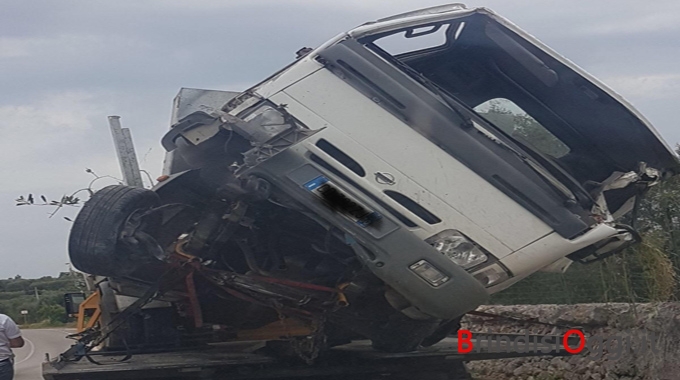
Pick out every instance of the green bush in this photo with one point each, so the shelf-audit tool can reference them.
(19, 294)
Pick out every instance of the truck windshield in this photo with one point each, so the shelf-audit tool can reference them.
(490, 72)
(517, 123)
(476, 70)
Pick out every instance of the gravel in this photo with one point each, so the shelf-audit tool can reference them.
(622, 355)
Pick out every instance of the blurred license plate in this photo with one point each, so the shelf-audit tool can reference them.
(341, 202)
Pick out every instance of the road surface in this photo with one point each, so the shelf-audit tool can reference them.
(29, 358)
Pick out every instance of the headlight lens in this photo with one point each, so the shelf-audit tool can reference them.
(492, 275)
(458, 248)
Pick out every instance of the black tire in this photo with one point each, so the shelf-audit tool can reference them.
(459, 371)
(93, 243)
(401, 334)
(444, 330)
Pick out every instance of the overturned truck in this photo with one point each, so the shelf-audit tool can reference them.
(379, 187)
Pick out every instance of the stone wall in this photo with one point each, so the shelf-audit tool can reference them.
(623, 355)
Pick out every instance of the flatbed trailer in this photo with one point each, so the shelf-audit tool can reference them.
(247, 361)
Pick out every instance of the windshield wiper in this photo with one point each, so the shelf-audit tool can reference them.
(537, 167)
(430, 85)
(544, 173)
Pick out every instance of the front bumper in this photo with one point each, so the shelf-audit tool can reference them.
(389, 249)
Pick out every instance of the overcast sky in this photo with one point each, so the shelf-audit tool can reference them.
(66, 65)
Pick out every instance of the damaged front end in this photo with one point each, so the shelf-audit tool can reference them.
(263, 238)
(631, 185)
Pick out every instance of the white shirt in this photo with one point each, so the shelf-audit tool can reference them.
(8, 330)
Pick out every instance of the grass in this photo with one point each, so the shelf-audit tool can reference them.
(657, 268)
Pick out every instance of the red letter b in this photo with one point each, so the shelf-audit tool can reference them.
(464, 342)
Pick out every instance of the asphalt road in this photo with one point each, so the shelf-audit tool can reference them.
(29, 358)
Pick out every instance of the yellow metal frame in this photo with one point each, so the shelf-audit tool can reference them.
(89, 313)
(284, 328)
(89, 306)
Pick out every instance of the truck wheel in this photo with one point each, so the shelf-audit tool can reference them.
(459, 372)
(401, 334)
(93, 243)
(444, 330)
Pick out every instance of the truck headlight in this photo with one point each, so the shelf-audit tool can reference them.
(458, 248)
(491, 275)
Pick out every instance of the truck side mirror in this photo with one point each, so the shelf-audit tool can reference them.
(72, 303)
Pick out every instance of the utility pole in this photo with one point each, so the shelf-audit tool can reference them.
(125, 150)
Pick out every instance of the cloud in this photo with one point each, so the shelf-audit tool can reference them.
(14, 47)
(47, 138)
(53, 114)
(637, 22)
(68, 46)
(652, 86)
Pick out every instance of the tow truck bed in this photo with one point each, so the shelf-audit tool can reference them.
(243, 361)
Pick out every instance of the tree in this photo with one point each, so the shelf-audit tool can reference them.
(515, 122)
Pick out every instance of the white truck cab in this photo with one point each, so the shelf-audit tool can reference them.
(447, 150)
(481, 140)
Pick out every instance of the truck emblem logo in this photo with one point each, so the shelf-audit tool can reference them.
(384, 178)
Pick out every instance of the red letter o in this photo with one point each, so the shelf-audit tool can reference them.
(565, 341)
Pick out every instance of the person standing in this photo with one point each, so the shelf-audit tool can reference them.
(10, 337)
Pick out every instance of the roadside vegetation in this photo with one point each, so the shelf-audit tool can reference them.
(648, 272)
(42, 298)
